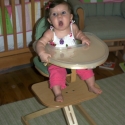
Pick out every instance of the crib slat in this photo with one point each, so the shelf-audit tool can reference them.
(14, 24)
(42, 7)
(33, 16)
(33, 12)
(23, 23)
(4, 27)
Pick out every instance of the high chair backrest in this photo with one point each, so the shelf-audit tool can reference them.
(41, 27)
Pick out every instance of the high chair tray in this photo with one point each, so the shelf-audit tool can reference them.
(80, 56)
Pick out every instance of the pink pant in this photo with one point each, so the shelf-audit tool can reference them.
(58, 75)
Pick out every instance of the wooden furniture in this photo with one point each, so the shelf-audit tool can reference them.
(17, 56)
(76, 91)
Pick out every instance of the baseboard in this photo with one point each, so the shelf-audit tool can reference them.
(15, 68)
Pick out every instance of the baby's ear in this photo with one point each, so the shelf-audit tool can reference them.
(71, 16)
(49, 21)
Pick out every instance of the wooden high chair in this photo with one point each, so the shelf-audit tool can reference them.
(75, 92)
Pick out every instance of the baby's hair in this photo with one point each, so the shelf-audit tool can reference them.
(52, 4)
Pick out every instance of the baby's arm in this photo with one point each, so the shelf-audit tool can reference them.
(78, 34)
(40, 46)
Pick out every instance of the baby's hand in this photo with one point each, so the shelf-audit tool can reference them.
(44, 57)
(86, 40)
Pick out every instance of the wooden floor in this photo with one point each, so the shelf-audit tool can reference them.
(15, 86)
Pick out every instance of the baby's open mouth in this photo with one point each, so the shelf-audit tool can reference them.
(60, 23)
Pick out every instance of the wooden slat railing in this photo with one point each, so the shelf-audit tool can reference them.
(23, 22)
(14, 24)
(16, 50)
(4, 24)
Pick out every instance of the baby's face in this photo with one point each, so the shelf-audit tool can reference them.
(60, 17)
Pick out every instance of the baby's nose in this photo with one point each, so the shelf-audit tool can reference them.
(59, 15)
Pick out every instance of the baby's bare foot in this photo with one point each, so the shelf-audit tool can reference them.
(95, 90)
(59, 98)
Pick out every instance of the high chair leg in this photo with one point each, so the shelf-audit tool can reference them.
(28, 117)
(70, 115)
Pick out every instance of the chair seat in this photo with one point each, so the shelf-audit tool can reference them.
(108, 25)
(39, 65)
(74, 93)
(43, 69)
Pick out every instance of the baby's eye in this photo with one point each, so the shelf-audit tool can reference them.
(54, 14)
(64, 12)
